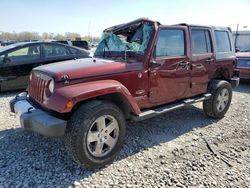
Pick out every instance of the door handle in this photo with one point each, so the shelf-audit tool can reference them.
(183, 63)
(209, 60)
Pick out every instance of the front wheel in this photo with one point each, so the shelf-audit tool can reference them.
(95, 134)
(219, 103)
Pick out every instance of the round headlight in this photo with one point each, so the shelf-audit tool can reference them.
(51, 86)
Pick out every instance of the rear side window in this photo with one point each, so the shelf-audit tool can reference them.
(52, 50)
(170, 43)
(222, 41)
(201, 41)
(76, 52)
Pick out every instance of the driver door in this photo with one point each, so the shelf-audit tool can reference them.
(170, 66)
(17, 65)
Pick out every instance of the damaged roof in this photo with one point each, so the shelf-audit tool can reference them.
(134, 22)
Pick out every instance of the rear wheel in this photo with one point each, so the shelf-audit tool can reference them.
(95, 134)
(220, 101)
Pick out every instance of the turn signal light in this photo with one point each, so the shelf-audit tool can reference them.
(69, 104)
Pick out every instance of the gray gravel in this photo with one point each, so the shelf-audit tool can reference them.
(166, 151)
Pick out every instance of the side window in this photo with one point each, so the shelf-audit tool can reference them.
(222, 41)
(51, 50)
(76, 52)
(25, 54)
(201, 41)
(170, 43)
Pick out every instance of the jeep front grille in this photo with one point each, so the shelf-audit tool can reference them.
(37, 86)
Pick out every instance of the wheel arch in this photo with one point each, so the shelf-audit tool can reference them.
(116, 98)
(222, 73)
(70, 97)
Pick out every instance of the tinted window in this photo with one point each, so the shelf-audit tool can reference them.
(170, 43)
(201, 42)
(74, 51)
(79, 52)
(52, 50)
(25, 54)
(222, 41)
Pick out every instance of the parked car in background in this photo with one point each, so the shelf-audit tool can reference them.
(93, 44)
(243, 64)
(64, 42)
(9, 42)
(78, 43)
(17, 60)
(81, 44)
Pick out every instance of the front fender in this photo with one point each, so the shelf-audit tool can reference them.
(84, 91)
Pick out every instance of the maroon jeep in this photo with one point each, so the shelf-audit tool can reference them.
(140, 69)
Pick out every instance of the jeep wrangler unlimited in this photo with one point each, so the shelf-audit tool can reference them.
(140, 69)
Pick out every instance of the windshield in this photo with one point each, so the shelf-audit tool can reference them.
(125, 43)
(245, 48)
(7, 47)
(2, 49)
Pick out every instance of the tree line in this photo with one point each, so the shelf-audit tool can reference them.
(26, 35)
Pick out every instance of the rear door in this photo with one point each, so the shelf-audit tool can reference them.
(17, 66)
(202, 59)
(54, 53)
(170, 67)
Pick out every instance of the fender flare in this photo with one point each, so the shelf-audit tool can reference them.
(86, 91)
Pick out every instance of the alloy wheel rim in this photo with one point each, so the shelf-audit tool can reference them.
(102, 136)
(222, 100)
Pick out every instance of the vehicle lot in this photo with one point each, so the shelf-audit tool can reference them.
(169, 150)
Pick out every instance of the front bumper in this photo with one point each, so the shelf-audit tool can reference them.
(235, 81)
(36, 120)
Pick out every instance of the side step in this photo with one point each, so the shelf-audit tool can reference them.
(169, 107)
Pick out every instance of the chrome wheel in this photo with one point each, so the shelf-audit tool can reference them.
(222, 100)
(102, 136)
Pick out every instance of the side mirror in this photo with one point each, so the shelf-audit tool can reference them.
(154, 64)
(6, 60)
(237, 49)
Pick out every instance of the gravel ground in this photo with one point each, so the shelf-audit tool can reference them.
(178, 149)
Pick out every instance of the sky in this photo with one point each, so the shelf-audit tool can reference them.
(92, 17)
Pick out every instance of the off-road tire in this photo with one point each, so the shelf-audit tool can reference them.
(78, 127)
(209, 106)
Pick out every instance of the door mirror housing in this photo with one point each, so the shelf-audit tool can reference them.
(237, 49)
(6, 60)
(154, 64)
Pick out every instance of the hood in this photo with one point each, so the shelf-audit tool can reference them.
(87, 67)
(243, 55)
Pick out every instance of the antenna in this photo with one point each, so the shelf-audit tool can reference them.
(236, 35)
